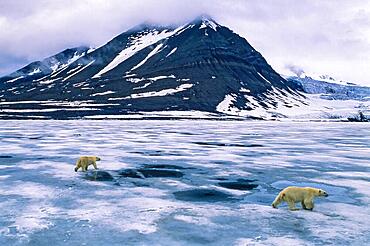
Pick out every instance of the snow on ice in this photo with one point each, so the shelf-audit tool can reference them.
(180, 198)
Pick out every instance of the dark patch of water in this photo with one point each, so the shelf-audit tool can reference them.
(160, 173)
(240, 184)
(130, 173)
(5, 156)
(202, 195)
(228, 144)
(164, 166)
(97, 175)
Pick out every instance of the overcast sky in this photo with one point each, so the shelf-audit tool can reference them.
(318, 36)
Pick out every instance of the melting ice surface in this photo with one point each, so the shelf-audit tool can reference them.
(182, 183)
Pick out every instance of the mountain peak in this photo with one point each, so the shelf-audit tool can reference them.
(204, 18)
(147, 25)
(205, 21)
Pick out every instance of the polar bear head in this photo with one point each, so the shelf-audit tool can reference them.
(321, 192)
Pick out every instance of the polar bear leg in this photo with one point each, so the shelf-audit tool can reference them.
(90, 162)
(94, 164)
(303, 205)
(78, 165)
(308, 204)
(291, 205)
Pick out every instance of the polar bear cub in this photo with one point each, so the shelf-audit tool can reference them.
(84, 162)
(293, 194)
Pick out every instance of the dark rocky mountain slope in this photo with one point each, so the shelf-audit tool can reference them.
(200, 66)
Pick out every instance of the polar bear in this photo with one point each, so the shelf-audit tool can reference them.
(293, 194)
(85, 161)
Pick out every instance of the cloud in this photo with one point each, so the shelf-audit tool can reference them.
(296, 70)
(325, 37)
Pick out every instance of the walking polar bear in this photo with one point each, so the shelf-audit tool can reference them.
(84, 162)
(293, 194)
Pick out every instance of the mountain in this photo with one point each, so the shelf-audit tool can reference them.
(201, 66)
(50, 65)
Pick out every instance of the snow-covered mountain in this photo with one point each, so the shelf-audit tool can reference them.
(198, 70)
(201, 66)
(40, 69)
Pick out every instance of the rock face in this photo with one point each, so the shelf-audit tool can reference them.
(200, 66)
